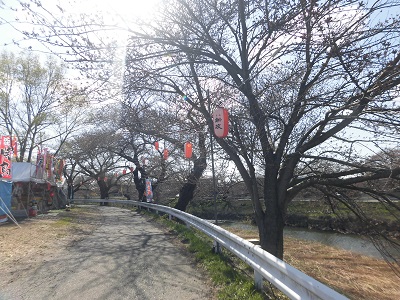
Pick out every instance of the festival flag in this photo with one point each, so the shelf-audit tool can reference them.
(149, 191)
(5, 157)
(15, 146)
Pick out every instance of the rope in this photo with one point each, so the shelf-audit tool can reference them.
(8, 212)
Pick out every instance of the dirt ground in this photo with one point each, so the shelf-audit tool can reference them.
(96, 252)
(36, 239)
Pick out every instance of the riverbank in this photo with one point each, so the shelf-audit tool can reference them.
(379, 219)
(357, 276)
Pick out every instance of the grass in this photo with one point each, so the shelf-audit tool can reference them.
(64, 221)
(356, 276)
(240, 209)
(228, 274)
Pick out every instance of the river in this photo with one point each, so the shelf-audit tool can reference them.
(355, 243)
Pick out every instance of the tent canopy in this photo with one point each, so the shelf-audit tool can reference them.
(27, 172)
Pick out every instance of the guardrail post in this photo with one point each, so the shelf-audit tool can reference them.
(216, 247)
(258, 280)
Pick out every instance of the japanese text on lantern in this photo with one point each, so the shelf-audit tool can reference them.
(220, 120)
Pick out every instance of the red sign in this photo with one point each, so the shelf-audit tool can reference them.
(221, 122)
(5, 157)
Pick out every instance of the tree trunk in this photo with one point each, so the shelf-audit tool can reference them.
(187, 191)
(103, 191)
(140, 182)
(271, 222)
(271, 233)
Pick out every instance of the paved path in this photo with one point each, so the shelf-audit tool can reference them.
(125, 258)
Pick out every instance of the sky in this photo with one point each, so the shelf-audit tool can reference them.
(13, 20)
(120, 11)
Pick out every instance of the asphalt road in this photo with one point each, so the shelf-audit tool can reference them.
(127, 257)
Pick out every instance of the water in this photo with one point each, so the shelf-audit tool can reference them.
(351, 242)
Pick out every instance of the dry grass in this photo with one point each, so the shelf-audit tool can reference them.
(356, 276)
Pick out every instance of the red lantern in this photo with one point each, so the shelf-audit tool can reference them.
(165, 154)
(188, 149)
(156, 145)
(221, 122)
(124, 171)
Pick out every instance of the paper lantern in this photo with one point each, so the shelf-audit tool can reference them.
(156, 145)
(221, 122)
(165, 154)
(188, 149)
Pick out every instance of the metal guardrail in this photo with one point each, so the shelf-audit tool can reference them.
(292, 282)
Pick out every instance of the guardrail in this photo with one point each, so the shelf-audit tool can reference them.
(292, 282)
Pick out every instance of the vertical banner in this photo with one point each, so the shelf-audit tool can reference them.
(14, 146)
(5, 157)
(49, 165)
(149, 191)
(44, 155)
(39, 164)
(58, 169)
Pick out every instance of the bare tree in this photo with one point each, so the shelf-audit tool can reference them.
(308, 78)
(307, 82)
(94, 161)
(155, 123)
(34, 98)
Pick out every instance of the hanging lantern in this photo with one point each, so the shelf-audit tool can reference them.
(188, 149)
(156, 145)
(165, 154)
(124, 171)
(220, 122)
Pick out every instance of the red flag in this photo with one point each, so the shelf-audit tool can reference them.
(5, 157)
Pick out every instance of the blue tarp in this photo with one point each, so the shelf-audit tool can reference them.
(5, 194)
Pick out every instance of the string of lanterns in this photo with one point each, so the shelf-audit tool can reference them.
(221, 128)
